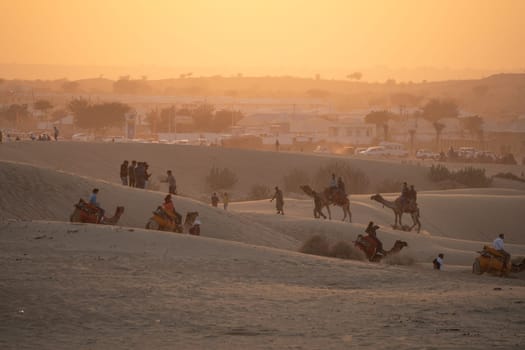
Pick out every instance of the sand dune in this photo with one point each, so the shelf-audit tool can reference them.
(242, 284)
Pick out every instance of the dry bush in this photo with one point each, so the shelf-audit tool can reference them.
(343, 250)
(316, 245)
(388, 186)
(294, 179)
(399, 259)
(259, 192)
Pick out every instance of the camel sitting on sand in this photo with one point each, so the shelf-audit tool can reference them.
(160, 222)
(86, 213)
(328, 199)
(398, 208)
(369, 246)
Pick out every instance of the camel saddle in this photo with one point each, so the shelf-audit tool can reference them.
(487, 250)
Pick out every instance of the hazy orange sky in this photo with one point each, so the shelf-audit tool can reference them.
(267, 36)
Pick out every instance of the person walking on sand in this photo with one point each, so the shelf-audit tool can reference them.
(214, 200)
(172, 184)
(279, 200)
(438, 262)
(124, 173)
(55, 133)
(318, 206)
(225, 200)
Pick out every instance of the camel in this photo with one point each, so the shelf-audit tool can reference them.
(160, 223)
(327, 200)
(369, 246)
(399, 209)
(86, 213)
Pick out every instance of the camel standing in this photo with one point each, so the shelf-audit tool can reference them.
(399, 209)
(327, 200)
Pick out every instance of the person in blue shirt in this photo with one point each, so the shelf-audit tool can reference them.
(93, 201)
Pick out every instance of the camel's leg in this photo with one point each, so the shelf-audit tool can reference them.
(329, 212)
(395, 220)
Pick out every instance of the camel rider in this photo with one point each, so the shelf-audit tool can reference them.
(499, 245)
(169, 209)
(412, 194)
(405, 194)
(411, 197)
(333, 186)
(371, 231)
(93, 202)
(341, 186)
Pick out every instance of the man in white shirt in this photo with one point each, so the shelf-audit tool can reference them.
(498, 244)
(438, 262)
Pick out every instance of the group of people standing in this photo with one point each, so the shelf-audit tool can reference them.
(134, 174)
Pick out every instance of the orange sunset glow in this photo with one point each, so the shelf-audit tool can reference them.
(265, 37)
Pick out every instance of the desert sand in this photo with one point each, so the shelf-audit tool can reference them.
(242, 284)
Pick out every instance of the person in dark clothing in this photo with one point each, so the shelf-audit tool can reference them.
(371, 231)
(214, 199)
(279, 200)
(124, 173)
(172, 184)
(404, 194)
(412, 194)
(131, 173)
(146, 174)
(140, 175)
(318, 205)
(341, 186)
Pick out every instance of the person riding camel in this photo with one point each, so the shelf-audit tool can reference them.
(371, 231)
(499, 245)
(94, 203)
(411, 197)
(169, 209)
(341, 186)
(405, 195)
(332, 187)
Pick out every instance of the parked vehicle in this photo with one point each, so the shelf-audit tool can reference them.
(82, 137)
(358, 150)
(467, 152)
(394, 149)
(321, 149)
(375, 151)
(424, 153)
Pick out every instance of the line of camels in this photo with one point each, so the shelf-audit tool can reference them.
(327, 198)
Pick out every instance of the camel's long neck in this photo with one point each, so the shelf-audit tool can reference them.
(113, 220)
(386, 203)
